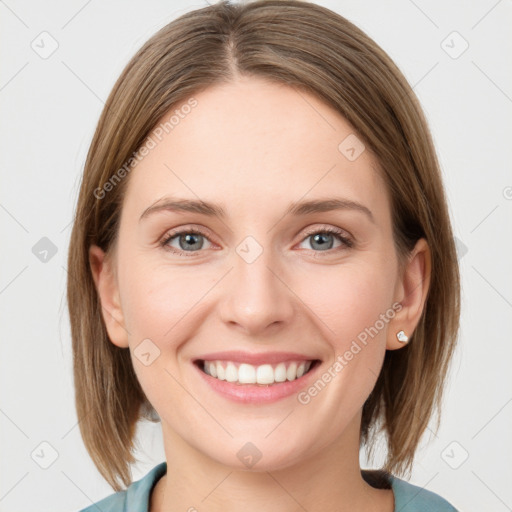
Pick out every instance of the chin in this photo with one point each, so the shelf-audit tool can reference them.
(260, 455)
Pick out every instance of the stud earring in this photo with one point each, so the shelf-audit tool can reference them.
(402, 337)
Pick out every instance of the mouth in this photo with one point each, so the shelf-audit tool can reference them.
(243, 374)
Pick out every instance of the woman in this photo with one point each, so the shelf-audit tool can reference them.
(262, 259)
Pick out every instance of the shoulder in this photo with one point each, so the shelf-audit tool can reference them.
(411, 498)
(134, 499)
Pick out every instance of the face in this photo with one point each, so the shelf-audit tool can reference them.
(261, 282)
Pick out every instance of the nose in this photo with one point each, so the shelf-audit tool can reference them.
(256, 298)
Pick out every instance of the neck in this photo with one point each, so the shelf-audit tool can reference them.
(329, 479)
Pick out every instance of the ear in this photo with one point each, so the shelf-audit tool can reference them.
(411, 292)
(108, 292)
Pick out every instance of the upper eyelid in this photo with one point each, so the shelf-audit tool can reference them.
(307, 230)
(328, 228)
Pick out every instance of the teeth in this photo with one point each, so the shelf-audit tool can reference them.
(221, 373)
(264, 374)
(280, 373)
(291, 373)
(249, 374)
(231, 373)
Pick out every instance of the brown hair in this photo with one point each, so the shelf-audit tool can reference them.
(318, 51)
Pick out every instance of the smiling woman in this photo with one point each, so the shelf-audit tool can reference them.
(274, 279)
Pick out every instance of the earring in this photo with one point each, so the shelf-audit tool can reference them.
(402, 337)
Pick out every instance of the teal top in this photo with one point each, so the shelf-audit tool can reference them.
(408, 497)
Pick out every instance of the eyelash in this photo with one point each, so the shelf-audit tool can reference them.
(347, 242)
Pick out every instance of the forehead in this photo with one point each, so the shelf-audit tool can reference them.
(255, 146)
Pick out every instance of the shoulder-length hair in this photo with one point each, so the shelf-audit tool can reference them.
(315, 50)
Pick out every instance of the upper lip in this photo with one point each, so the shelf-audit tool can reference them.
(255, 358)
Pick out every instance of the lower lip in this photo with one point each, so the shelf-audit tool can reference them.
(254, 393)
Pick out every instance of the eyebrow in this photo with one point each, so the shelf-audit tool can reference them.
(297, 208)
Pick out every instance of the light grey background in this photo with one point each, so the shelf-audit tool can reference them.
(50, 105)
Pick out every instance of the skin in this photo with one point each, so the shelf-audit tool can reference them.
(254, 147)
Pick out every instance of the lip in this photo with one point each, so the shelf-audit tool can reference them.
(257, 393)
(238, 356)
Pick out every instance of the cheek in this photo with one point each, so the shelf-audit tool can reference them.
(353, 309)
(159, 306)
(349, 308)
(156, 298)
(348, 301)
